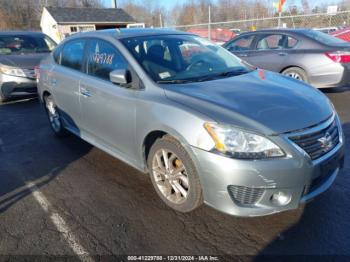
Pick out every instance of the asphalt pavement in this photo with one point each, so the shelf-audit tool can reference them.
(62, 197)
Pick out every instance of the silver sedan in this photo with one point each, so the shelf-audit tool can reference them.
(206, 127)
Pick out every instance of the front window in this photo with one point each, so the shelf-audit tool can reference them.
(244, 43)
(323, 38)
(183, 58)
(103, 58)
(25, 44)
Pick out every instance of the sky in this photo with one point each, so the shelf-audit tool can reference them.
(171, 3)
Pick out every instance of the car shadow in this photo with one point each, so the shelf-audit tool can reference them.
(30, 152)
(317, 233)
(335, 90)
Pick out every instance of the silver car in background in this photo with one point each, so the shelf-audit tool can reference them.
(311, 56)
(206, 127)
(20, 54)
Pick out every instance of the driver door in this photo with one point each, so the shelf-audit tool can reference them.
(108, 110)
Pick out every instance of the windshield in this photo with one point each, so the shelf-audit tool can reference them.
(24, 44)
(323, 37)
(183, 58)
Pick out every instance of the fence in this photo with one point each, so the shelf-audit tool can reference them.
(318, 20)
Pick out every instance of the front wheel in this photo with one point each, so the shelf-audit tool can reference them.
(2, 98)
(296, 73)
(54, 116)
(174, 175)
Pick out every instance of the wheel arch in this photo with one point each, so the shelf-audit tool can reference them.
(290, 66)
(153, 135)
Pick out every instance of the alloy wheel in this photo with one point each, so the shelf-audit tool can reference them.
(170, 176)
(53, 114)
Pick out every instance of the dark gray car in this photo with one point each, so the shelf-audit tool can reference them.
(20, 53)
(308, 55)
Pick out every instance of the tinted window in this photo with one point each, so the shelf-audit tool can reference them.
(276, 41)
(323, 38)
(25, 44)
(241, 44)
(292, 42)
(103, 59)
(73, 54)
(271, 42)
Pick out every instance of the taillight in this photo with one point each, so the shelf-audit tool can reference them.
(339, 56)
(37, 72)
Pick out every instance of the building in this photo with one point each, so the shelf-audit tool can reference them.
(59, 22)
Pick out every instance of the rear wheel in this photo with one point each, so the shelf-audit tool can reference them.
(54, 116)
(174, 175)
(296, 73)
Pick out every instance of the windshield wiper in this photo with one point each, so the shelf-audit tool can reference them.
(223, 74)
(174, 81)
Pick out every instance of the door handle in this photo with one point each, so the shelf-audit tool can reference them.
(53, 82)
(242, 55)
(85, 92)
(282, 54)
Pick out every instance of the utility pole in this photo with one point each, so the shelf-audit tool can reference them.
(114, 4)
(209, 23)
(160, 20)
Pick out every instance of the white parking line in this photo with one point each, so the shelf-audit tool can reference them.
(60, 224)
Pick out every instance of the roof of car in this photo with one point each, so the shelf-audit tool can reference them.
(279, 30)
(89, 15)
(29, 33)
(132, 32)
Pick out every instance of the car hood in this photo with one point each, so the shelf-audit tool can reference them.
(23, 61)
(265, 102)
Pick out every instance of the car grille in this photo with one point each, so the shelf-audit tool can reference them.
(29, 73)
(319, 143)
(245, 195)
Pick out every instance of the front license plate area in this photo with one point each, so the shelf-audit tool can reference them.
(330, 165)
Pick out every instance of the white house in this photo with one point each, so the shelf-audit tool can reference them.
(59, 22)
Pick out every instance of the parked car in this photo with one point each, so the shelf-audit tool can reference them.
(304, 54)
(204, 125)
(20, 53)
(342, 33)
(326, 30)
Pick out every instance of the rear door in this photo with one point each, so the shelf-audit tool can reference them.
(271, 51)
(108, 110)
(242, 46)
(64, 81)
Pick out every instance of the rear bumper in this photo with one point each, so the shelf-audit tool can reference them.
(332, 75)
(12, 85)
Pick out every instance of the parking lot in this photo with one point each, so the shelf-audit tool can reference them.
(65, 197)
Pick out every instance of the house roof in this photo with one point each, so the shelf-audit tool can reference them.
(89, 15)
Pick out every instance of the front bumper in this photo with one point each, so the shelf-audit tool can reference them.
(13, 85)
(295, 175)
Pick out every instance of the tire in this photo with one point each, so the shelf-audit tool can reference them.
(54, 117)
(3, 98)
(190, 196)
(296, 73)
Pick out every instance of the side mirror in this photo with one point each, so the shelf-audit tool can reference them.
(120, 77)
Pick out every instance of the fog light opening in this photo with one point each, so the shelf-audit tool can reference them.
(280, 198)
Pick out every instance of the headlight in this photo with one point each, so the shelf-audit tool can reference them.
(241, 144)
(12, 71)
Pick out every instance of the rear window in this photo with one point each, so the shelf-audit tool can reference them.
(323, 38)
(25, 44)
